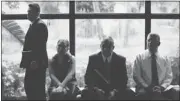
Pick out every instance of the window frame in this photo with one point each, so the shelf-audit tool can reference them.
(72, 16)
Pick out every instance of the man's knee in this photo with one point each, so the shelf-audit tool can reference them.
(86, 93)
(126, 94)
(172, 94)
(91, 94)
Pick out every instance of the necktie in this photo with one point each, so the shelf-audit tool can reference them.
(107, 68)
(155, 80)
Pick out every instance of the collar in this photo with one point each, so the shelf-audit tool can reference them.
(108, 58)
(35, 21)
(149, 53)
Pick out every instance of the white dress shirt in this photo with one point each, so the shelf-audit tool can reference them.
(142, 70)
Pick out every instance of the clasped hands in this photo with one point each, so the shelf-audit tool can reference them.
(60, 88)
(111, 94)
(158, 89)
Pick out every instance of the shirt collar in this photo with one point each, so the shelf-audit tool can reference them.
(108, 58)
(149, 53)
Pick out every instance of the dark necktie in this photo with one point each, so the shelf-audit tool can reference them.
(107, 68)
(155, 80)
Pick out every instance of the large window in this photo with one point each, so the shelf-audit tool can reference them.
(90, 32)
(84, 24)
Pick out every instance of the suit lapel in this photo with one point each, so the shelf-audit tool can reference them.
(100, 61)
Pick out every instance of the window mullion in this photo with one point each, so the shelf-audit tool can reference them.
(72, 27)
(147, 20)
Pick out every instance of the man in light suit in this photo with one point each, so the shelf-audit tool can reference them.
(106, 75)
(34, 55)
(152, 72)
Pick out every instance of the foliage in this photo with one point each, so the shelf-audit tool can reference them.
(13, 5)
(50, 7)
(89, 6)
(14, 29)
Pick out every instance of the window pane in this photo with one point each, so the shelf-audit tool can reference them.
(13, 32)
(128, 36)
(15, 7)
(109, 7)
(165, 7)
(169, 34)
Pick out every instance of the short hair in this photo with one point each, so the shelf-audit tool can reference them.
(154, 35)
(35, 6)
(63, 42)
(108, 41)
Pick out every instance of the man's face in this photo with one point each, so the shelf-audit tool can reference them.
(153, 42)
(32, 14)
(107, 49)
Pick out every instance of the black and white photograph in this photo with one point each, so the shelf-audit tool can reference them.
(90, 49)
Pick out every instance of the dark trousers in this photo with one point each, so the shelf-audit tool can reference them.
(34, 84)
(171, 94)
(91, 94)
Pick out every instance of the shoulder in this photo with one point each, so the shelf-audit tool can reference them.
(41, 23)
(143, 55)
(71, 58)
(54, 58)
(95, 56)
(118, 56)
(163, 58)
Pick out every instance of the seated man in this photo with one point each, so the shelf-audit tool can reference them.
(106, 75)
(152, 72)
(62, 73)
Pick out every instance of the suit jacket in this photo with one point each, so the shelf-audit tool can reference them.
(35, 45)
(142, 70)
(118, 72)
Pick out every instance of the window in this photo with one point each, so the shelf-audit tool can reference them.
(165, 7)
(109, 7)
(84, 23)
(15, 7)
(90, 32)
(169, 34)
(13, 33)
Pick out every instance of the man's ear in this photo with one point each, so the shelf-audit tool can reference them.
(159, 43)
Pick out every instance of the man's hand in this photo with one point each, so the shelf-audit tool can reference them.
(158, 89)
(112, 94)
(96, 89)
(34, 65)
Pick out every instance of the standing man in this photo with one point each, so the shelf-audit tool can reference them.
(34, 55)
(106, 74)
(152, 72)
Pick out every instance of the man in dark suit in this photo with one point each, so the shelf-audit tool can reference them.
(34, 55)
(106, 74)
